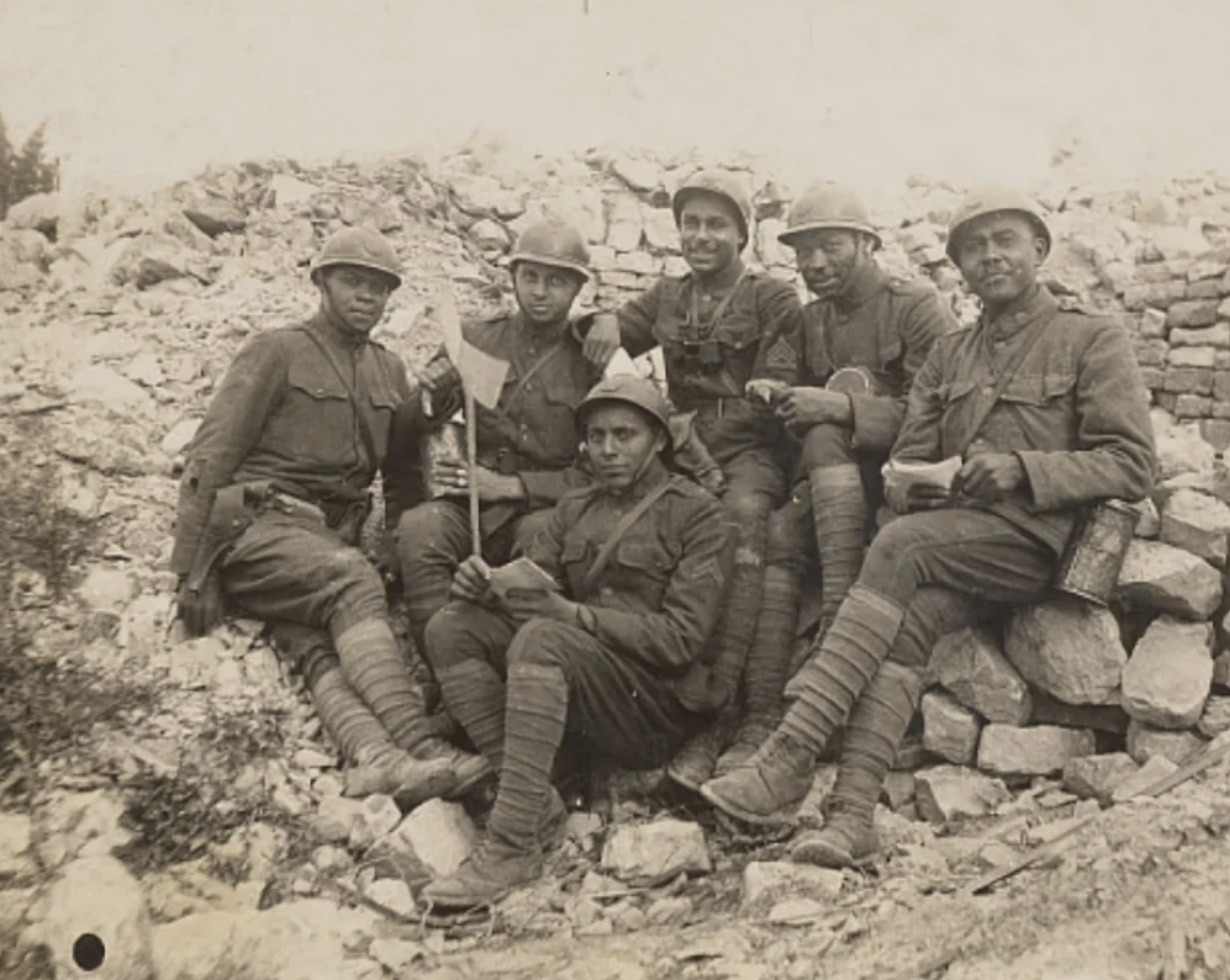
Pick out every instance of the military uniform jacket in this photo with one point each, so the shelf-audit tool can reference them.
(1075, 412)
(884, 324)
(659, 598)
(533, 432)
(284, 414)
(714, 346)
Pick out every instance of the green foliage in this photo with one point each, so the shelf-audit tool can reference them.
(25, 170)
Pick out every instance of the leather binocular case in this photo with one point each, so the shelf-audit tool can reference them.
(1091, 562)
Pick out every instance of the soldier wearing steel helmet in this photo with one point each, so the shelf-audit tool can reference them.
(527, 444)
(1045, 409)
(864, 338)
(274, 493)
(720, 326)
(610, 649)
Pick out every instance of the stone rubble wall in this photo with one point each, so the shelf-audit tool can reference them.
(155, 296)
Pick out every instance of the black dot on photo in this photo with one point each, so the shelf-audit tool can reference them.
(89, 952)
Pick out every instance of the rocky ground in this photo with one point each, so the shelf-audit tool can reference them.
(179, 800)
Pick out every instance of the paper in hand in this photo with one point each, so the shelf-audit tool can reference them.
(900, 476)
(521, 575)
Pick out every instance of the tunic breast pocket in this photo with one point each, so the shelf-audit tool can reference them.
(574, 561)
(1043, 407)
(316, 419)
(645, 569)
(555, 422)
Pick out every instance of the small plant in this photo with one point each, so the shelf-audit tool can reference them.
(25, 170)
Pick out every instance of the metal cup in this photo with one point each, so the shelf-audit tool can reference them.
(1094, 556)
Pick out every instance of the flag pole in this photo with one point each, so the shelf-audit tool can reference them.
(476, 535)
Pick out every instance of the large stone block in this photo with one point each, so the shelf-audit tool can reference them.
(1198, 523)
(1166, 682)
(1156, 294)
(947, 793)
(970, 664)
(1189, 313)
(1006, 750)
(1069, 648)
(1167, 579)
(1216, 336)
(656, 852)
(1192, 357)
(624, 225)
(950, 730)
(1151, 353)
(1144, 742)
(1096, 776)
(1188, 380)
(439, 834)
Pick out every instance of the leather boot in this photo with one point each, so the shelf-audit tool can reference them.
(372, 664)
(768, 788)
(495, 869)
(694, 763)
(877, 724)
(376, 765)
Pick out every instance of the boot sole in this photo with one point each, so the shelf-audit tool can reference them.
(687, 783)
(758, 819)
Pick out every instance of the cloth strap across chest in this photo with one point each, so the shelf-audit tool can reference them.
(603, 558)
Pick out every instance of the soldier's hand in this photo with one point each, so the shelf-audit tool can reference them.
(989, 476)
(602, 340)
(921, 496)
(527, 604)
(201, 611)
(453, 477)
(470, 580)
(805, 407)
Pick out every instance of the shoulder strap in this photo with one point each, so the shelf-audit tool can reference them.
(1002, 382)
(364, 426)
(603, 558)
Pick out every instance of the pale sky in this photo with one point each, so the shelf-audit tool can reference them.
(141, 92)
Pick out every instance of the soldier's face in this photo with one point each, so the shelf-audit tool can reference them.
(621, 441)
(828, 257)
(708, 235)
(999, 255)
(544, 293)
(354, 295)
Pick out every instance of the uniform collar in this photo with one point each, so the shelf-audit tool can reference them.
(1030, 307)
(335, 332)
(864, 284)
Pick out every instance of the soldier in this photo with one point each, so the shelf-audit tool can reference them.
(273, 497)
(865, 334)
(527, 445)
(1048, 411)
(641, 561)
(720, 326)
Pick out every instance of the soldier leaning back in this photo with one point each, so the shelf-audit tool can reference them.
(720, 326)
(273, 498)
(1048, 412)
(527, 444)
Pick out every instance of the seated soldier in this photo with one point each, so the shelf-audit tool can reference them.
(613, 650)
(1048, 412)
(527, 445)
(864, 337)
(275, 492)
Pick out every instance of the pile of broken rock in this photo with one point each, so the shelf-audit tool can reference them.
(120, 316)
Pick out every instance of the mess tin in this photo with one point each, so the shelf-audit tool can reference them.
(1094, 556)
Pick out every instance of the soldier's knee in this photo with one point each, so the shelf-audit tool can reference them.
(440, 644)
(542, 642)
(356, 583)
(826, 445)
(745, 505)
(424, 532)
